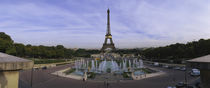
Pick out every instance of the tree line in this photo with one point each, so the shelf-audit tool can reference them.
(179, 51)
(8, 46)
(135, 51)
(176, 51)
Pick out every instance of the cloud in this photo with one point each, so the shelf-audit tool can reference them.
(82, 24)
(167, 22)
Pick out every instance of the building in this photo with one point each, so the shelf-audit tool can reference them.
(202, 63)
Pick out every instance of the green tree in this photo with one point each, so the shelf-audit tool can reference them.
(5, 42)
(20, 49)
(11, 51)
(60, 51)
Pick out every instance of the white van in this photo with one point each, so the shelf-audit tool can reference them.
(195, 72)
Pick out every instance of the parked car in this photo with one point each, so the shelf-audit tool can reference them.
(170, 67)
(35, 68)
(184, 85)
(190, 86)
(198, 85)
(195, 72)
(161, 65)
(156, 64)
(44, 67)
(177, 68)
(183, 69)
(165, 66)
(150, 64)
(180, 85)
(171, 87)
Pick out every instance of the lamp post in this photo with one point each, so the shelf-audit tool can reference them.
(32, 73)
(185, 78)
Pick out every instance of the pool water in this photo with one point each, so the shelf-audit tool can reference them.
(138, 72)
(80, 73)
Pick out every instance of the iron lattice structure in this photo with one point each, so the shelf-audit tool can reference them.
(108, 36)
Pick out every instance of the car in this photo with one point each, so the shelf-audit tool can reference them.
(195, 72)
(170, 67)
(177, 68)
(156, 64)
(44, 68)
(150, 64)
(180, 85)
(161, 65)
(190, 86)
(183, 69)
(165, 66)
(184, 85)
(198, 84)
(171, 87)
(35, 68)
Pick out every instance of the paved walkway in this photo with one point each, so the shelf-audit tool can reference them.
(108, 77)
(43, 79)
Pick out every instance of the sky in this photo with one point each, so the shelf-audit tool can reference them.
(82, 23)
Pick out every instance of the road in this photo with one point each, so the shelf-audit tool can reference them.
(43, 79)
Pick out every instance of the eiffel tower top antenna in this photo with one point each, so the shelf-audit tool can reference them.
(108, 23)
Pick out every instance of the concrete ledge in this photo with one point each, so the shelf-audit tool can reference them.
(8, 62)
(147, 75)
(9, 79)
(72, 76)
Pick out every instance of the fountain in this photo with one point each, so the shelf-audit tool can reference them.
(93, 66)
(124, 66)
(119, 66)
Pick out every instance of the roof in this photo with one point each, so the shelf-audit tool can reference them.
(203, 59)
(9, 62)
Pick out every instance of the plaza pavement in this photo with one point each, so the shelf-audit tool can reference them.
(44, 79)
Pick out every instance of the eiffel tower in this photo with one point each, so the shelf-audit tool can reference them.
(108, 35)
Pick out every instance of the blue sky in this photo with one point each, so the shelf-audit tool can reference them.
(82, 23)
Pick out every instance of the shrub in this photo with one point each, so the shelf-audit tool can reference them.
(70, 71)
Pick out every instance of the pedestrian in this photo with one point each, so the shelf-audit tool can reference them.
(83, 79)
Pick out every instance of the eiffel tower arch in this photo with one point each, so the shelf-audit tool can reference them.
(108, 36)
